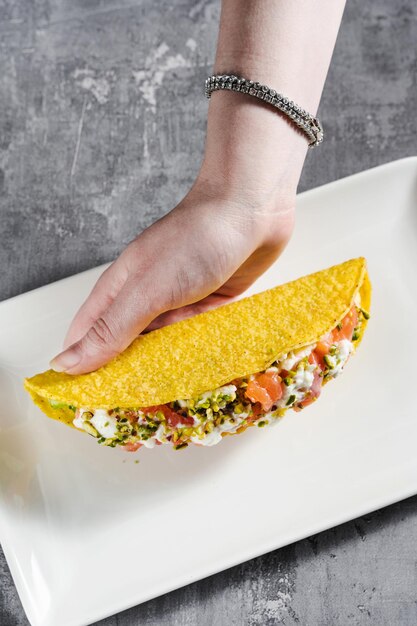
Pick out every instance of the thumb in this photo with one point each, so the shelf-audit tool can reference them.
(132, 310)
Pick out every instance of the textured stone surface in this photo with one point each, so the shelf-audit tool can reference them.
(92, 151)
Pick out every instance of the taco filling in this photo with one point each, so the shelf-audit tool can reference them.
(292, 382)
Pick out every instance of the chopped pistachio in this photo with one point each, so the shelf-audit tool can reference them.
(89, 428)
(329, 361)
(261, 424)
(290, 400)
(55, 404)
(184, 444)
(339, 326)
(365, 314)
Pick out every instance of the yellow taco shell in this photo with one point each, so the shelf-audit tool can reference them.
(211, 349)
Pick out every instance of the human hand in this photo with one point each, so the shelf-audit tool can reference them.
(229, 228)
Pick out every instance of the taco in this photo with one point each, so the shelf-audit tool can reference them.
(217, 373)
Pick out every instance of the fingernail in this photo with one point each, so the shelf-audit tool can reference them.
(66, 360)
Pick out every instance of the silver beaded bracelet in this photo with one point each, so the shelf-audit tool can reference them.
(305, 121)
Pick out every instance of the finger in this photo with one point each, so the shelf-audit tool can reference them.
(111, 332)
(176, 315)
(102, 295)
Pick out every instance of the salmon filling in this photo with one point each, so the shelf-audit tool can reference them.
(292, 382)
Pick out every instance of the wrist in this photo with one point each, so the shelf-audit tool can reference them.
(251, 148)
(260, 216)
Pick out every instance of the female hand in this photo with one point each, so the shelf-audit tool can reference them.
(208, 250)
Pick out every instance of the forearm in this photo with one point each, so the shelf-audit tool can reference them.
(286, 45)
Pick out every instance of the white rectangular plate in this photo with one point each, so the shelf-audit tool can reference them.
(87, 532)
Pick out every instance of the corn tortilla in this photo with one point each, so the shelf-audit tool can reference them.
(211, 349)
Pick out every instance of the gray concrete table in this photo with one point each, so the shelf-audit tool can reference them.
(91, 152)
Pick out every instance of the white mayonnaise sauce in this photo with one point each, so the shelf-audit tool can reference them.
(104, 423)
(78, 421)
(289, 360)
(338, 361)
